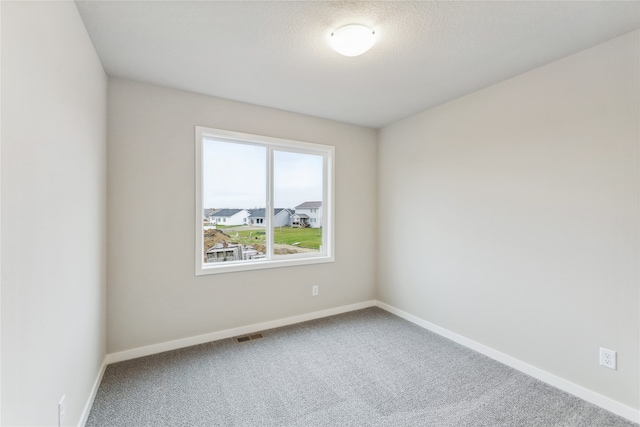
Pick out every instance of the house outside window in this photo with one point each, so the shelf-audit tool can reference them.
(310, 214)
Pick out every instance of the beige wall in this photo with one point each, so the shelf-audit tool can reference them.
(53, 213)
(153, 293)
(523, 204)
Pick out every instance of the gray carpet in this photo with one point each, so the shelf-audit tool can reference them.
(365, 368)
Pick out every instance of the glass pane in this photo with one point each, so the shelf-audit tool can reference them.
(234, 188)
(297, 222)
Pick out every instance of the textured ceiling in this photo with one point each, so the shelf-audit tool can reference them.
(275, 54)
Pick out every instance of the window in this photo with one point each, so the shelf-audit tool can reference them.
(272, 182)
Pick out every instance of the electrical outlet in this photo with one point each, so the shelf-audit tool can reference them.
(314, 291)
(62, 411)
(608, 358)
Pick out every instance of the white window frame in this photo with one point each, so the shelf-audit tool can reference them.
(326, 253)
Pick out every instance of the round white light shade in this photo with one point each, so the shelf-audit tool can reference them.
(352, 40)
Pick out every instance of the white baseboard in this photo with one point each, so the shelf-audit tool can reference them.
(230, 333)
(92, 396)
(564, 385)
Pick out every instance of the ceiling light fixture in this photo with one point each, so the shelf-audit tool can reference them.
(352, 40)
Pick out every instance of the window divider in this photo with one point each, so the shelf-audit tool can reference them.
(268, 215)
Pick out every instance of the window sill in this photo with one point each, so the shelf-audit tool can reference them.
(232, 267)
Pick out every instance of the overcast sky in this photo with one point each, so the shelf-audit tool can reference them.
(235, 176)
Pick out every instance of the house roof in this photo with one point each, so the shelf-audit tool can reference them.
(301, 216)
(260, 213)
(209, 212)
(227, 212)
(309, 205)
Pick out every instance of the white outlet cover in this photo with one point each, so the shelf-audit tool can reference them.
(607, 358)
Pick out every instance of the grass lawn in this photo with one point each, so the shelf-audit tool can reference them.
(306, 237)
(222, 227)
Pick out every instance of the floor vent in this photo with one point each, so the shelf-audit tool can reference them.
(250, 337)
